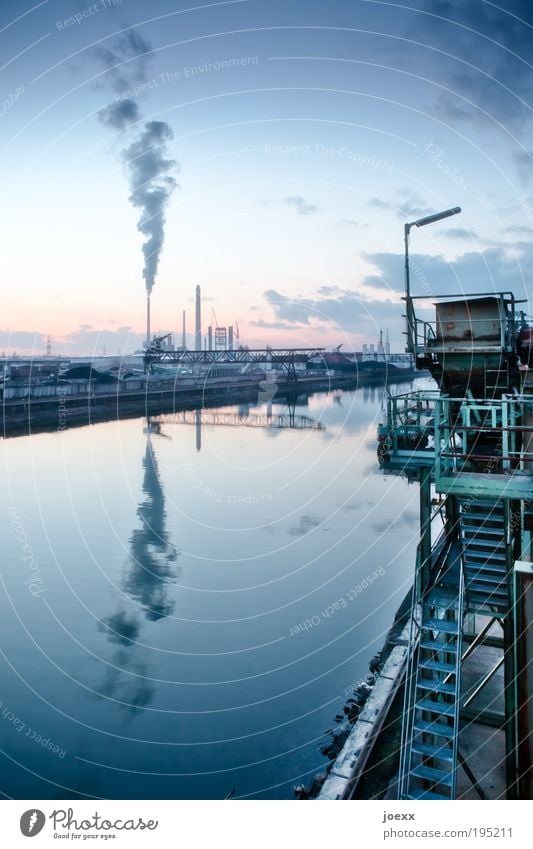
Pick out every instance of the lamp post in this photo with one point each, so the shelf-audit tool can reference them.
(421, 222)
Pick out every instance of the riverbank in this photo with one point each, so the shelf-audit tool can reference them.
(365, 750)
(57, 412)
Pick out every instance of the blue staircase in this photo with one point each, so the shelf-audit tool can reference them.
(483, 538)
(429, 747)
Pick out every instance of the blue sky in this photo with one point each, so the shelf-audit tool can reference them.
(304, 135)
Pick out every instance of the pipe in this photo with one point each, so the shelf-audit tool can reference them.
(198, 326)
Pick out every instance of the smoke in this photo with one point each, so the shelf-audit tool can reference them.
(126, 60)
(120, 115)
(151, 188)
(145, 158)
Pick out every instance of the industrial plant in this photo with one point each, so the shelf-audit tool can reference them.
(213, 364)
(455, 678)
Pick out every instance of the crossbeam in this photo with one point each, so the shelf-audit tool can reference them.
(284, 357)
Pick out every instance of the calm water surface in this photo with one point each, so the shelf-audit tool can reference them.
(153, 582)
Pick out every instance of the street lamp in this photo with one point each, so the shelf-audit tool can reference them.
(421, 222)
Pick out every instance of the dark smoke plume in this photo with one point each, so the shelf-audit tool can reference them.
(145, 158)
(151, 187)
(120, 115)
(126, 61)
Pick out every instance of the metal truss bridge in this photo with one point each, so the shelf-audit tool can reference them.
(224, 419)
(283, 358)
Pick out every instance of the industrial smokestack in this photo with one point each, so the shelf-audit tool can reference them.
(198, 327)
(148, 336)
(184, 334)
(230, 338)
(209, 338)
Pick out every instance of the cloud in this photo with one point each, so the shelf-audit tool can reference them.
(377, 203)
(494, 269)
(520, 230)
(287, 309)
(349, 222)
(300, 205)
(328, 290)
(296, 202)
(273, 325)
(345, 309)
(362, 312)
(86, 340)
(491, 49)
(23, 340)
(405, 204)
(524, 165)
(83, 341)
(458, 233)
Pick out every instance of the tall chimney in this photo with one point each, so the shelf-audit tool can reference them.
(184, 334)
(198, 327)
(209, 338)
(148, 336)
(230, 338)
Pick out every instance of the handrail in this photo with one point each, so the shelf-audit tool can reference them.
(460, 616)
(468, 296)
(412, 649)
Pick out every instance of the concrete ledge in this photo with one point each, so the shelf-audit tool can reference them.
(351, 761)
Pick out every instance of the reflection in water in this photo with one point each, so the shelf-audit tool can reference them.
(380, 392)
(150, 569)
(152, 555)
(198, 416)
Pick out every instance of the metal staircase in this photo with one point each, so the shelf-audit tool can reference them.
(483, 538)
(429, 746)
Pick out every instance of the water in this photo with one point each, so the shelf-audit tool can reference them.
(154, 585)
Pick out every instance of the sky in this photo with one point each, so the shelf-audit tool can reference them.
(284, 145)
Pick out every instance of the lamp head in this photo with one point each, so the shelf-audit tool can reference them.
(437, 216)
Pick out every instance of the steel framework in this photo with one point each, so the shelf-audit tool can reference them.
(285, 359)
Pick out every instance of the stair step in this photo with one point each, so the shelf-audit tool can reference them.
(438, 776)
(489, 582)
(487, 592)
(436, 707)
(442, 597)
(481, 530)
(483, 510)
(443, 625)
(450, 648)
(443, 753)
(480, 559)
(438, 665)
(479, 576)
(496, 569)
(435, 686)
(475, 571)
(426, 794)
(479, 516)
(487, 545)
(482, 597)
(434, 727)
(488, 601)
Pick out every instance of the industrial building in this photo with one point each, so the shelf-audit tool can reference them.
(464, 659)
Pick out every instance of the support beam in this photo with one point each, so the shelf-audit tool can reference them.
(425, 526)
